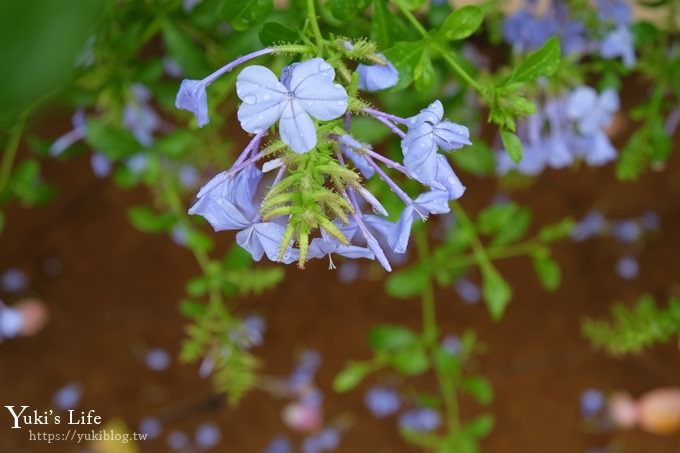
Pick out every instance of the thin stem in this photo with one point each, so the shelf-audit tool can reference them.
(231, 65)
(389, 124)
(11, 151)
(311, 14)
(411, 18)
(393, 185)
(456, 67)
(389, 116)
(477, 248)
(496, 253)
(385, 160)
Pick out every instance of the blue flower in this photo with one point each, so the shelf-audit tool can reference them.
(327, 439)
(421, 420)
(377, 77)
(139, 117)
(193, 97)
(226, 201)
(264, 238)
(327, 245)
(526, 32)
(79, 121)
(306, 90)
(619, 43)
(426, 133)
(616, 11)
(347, 144)
(382, 401)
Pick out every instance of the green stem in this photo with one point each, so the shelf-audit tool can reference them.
(456, 67)
(427, 299)
(496, 253)
(10, 153)
(478, 249)
(442, 51)
(430, 335)
(311, 13)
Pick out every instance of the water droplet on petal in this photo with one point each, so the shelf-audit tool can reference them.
(266, 96)
(412, 121)
(249, 99)
(341, 102)
(338, 86)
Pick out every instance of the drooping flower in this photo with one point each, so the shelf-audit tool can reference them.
(78, 133)
(427, 132)
(377, 76)
(139, 117)
(306, 90)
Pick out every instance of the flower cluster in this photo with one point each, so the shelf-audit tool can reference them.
(527, 30)
(564, 129)
(278, 194)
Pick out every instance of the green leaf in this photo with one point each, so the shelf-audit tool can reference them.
(410, 361)
(557, 231)
(380, 30)
(480, 426)
(405, 56)
(347, 9)
(176, 143)
(541, 62)
(243, 14)
(184, 51)
(197, 286)
(191, 308)
(423, 73)
(461, 23)
(478, 159)
(115, 142)
(547, 270)
(275, 33)
(479, 387)
(387, 338)
(497, 293)
(145, 219)
(351, 376)
(407, 282)
(363, 129)
(199, 241)
(512, 144)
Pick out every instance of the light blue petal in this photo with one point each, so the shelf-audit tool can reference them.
(264, 239)
(192, 97)
(433, 202)
(322, 98)
(447, 178)
(294, 75)
(377, 77)
(221, 213)
(296, 128)
(450, 135)
(420, 156)
(398, 240)
(263, 96)
(601, 150)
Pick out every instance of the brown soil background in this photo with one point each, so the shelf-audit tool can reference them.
(119, 289)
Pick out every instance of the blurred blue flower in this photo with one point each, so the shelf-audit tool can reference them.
(193, 97)
(619, 43)
(101, 164)
(382, 401)
(421, 420)
(157, 359)
(150, 426)
(627, 231)
(280, 444)
(68, 397)
(592, 401)
(591, 111)
(13, 280)
(305, 89)
(590, 225)
(79, 122)
(617, 12)
(11, 321)
(327, 439)
(377, 77)
(468, 290)
(177, 440)
(627, 268)
(207, 436)
(527, 32)
(139, 117)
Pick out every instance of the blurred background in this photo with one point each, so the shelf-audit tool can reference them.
(109, 326)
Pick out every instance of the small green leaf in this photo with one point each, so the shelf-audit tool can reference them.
(480, 426)
(274, 33)
(145, 219)
(347, 9)
(351, 376)
(410, 361)
(175, 143)
(405, 56)
(243, 14)
(557, 231)
(541, 62)
(191, 308)
(197, 286)
(387, 338)
(115, 142)
(497, 293)
(410, 4)
(184, 51)
(407, 282)
(512, 144)
(479, 387)
(423, 73)
(199, 241)
(547, 270)
(461, 23)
